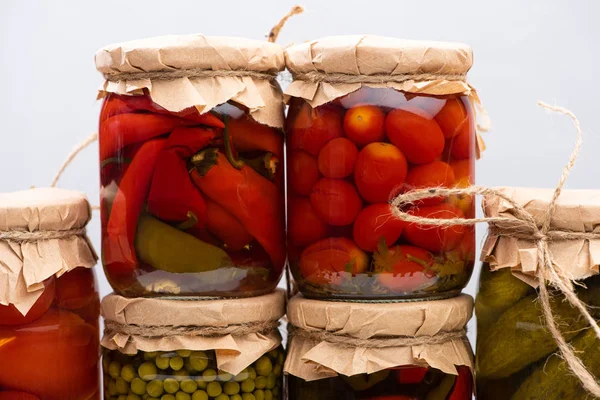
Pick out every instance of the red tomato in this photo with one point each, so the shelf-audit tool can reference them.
(375, 222)
(462, 146)
(335, 201)
(434, 174)
(304, 226)
(433, 238)
(17, 396)
(312, 128)
(419, 138)
(452, 117)
(337, 158)
(321, 262)
(463, 169)
(9, 315)
(364, 125)
(403, 268)
(303, 172)
(380, 172)
(408, 376)
(76, 289)
(463, 387)
(55, 357)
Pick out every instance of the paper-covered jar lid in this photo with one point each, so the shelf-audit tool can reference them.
(330, 337)
(240, 330)
(197, 71)
(42, 234)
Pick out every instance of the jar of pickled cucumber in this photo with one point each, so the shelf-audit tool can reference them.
(191, 166)
(334, 354)
(371, 118)
(193, 350)
(49, 303)
(518, 358)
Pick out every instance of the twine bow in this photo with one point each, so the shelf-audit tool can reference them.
(524, 226)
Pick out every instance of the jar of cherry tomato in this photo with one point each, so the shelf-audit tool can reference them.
(191, 153)
(332, 353)
(371, 118)
(49, 304)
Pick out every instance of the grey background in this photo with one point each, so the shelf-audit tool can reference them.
(524, 51)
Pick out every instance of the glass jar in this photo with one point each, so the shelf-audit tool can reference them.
(403, 383)
(190, 375)
(51, 352)
(191, 204)
(347, 159)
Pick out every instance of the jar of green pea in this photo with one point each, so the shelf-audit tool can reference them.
(193, 350)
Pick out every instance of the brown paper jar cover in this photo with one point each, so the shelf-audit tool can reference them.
(26, 264)
(576, 211)
(234, 353)
(198, 52)
(310, 360)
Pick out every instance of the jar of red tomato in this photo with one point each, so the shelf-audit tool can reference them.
(333, 354)
(191, 153)
(371, 118)
(49, 304)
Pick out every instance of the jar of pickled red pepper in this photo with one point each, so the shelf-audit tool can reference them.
(191, 157)
(371, 118)
(49, 304)
(518, 356)
(193, 350)
(333, 353)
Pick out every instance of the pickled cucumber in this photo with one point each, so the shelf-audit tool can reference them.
(554, 381)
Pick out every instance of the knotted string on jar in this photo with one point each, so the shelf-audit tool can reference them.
(523, 226)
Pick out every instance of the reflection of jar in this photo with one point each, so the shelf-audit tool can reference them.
(49, 331)
(192, 167)
(334, 354)
(189, 350)
(517, 356)
(351, 150)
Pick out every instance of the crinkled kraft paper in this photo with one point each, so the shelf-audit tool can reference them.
(576, 211)
(24, 266)
(168, 53)
(311, 361)
(234, 353)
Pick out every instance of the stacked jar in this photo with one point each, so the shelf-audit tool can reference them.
(49, 303)
(192, 203)
(371, 118)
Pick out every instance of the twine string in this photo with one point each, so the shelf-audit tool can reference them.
(274, 33)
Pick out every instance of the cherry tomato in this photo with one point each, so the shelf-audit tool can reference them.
(463, 387)
(304, 226)
(408, 376)
(312, 128)
(76, 289)
(337, 158)
(303, 172)
(17, 396)
(9, 315)
(380, 172)
(419, 138)
(462, 146)
(434, 174)
(404, 268)
(364, 125)
(463, 169)
(335, 201)
(452, 117)
(434, 238)
(322, 262)
(375, 222)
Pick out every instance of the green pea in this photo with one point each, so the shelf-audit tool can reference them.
(268, 395)
(274, 353)
(276, 391)
(200, 395)
(105, 362)
(214, 389)
(188, 385)
(248, 386)
(277, 370)
(209, 375)
(162, 361)
(224, 376)
(114, 369)
(150, 355)
(176, 363)
(147, 371)
(264, 366)
(248, 396)
(231, 388)
(112, 388)
(167, 397)
(235, 397)
(171, 385)
(222, 396)
(132, 396)
(242, 376)
(251, 373)
(271, 381)
(259, 394)
(260, 382)
(200, 382)
(280, 358)
(182, 396)
(154, 388)
(184, 353)
(122, 386)
(128, 373)
(122, 397)
(198, 361)
(181, 375)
